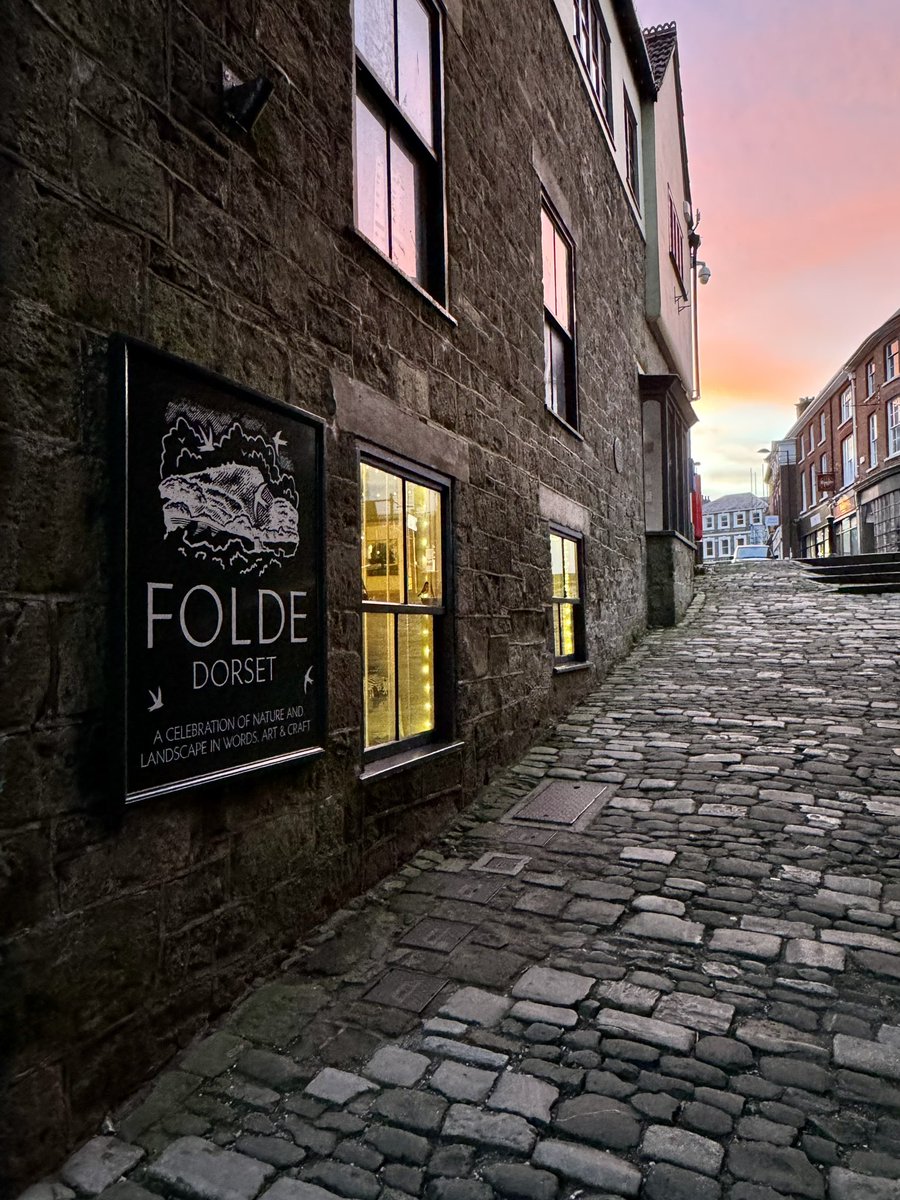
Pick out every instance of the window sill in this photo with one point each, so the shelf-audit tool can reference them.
(565, 424)
(384, 767)
(359, 236)
(568, 668)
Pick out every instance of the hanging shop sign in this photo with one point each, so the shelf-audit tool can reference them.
(826, 481)
(223, 567)
(846, 504)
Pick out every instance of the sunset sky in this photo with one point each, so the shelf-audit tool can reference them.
(792, 110)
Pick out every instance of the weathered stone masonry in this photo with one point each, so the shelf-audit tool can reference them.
(127, 207)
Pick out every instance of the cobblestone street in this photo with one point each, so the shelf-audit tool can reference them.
(690, 990)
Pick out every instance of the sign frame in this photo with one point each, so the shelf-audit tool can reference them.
(127, 357)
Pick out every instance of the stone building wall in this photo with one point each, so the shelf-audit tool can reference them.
(129, 208)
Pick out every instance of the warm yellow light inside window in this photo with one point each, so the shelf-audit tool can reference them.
(415, 643)
(556, 566)
(380, 540)
(423, 545)
(380, 678)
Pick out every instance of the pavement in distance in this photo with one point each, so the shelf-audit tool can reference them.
(690, 991)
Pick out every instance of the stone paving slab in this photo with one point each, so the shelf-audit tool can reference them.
(693, 995)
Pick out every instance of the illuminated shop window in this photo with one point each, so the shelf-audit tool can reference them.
(568, 612)
(404, 604)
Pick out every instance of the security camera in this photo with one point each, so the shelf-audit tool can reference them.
(703, 272)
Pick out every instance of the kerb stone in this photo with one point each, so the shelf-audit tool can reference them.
(99, 1163)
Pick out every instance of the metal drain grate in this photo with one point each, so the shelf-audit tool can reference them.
(501, 864)
(558, 802)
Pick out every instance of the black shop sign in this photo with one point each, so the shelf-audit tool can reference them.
(223, 658)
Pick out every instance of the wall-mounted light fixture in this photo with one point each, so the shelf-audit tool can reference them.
(242, 103)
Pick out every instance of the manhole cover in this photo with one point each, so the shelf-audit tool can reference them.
(558, 802)
(434, 934)
(405, 989)
(500, 864)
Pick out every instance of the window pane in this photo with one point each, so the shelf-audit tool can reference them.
(407, 240)
(371, 175)
(414, 65)
(382, 549)
(558, 375)
(557, 568)
(548, 234)
(415, 649)
(373, 30)
(557, 632)
(567, 630)
(423, 545)
(562, 282)
(380, 678)
(570, 554)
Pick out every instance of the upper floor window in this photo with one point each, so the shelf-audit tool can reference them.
(823, 464)
(812, 485)
(594, 49)
(848, 460)
(557, 253)
(756, 519)
(568, 613)
(870, 377)
(802, 491)
(404, 602)
(893, 426)
(802, 444)
(676, 243)
(812, 438)
(709, 522)
(821, 428)
(846, 399)
(725, 520)
(739, 518)
(891, 360)
(873, 440)
(398, 185)
(632, 151)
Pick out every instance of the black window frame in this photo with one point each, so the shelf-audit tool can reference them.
(443, 635)
(430, 159)
(579, 654)
(594, 47)
(632, 149)
(553, 327)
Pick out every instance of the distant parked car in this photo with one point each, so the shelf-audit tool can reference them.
(750, 553)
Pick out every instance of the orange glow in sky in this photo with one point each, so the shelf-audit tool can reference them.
(792, 110)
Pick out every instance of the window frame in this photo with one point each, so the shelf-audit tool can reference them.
(370, 90)
(632, 149)
(870, 377)
(821, 428)
(579, 655)
(848, 461)
(442, 637)
(873, 440)
(846, 403)
(569, 337)
(893, 426)
(676, 244)
(892, 356)
(590, 28)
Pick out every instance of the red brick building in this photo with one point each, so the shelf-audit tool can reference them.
(846, 494)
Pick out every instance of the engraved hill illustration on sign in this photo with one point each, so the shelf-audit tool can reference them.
(239, 508)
